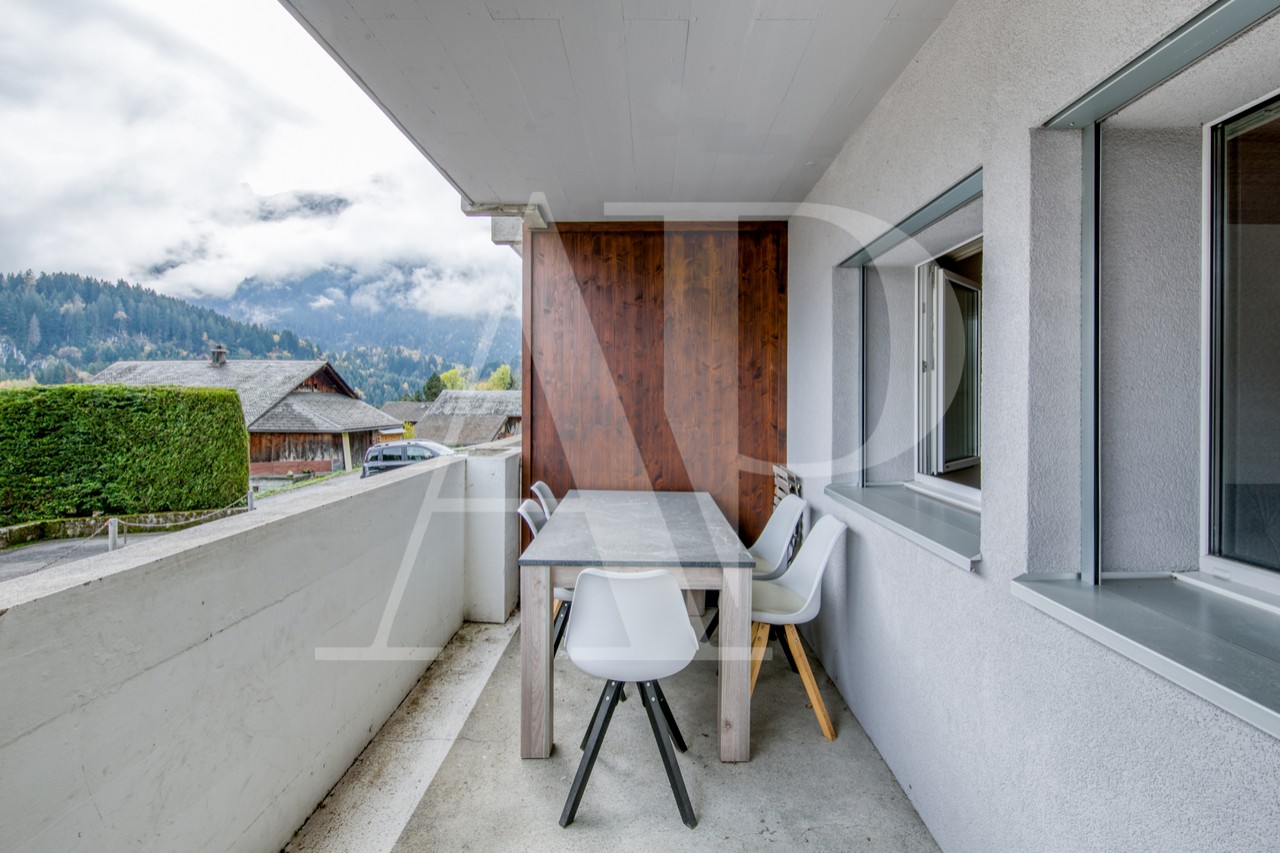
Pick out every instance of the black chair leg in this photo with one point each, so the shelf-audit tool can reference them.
(711, 627)
(595, 737)
(557, 628)
(776, 633)
(599, 704)
(671, 719)
(658, 721)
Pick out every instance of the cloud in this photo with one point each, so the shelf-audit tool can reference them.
(188, 147)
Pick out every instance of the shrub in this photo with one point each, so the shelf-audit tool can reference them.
(72, 450)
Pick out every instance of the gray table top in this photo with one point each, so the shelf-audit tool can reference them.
(639, 530)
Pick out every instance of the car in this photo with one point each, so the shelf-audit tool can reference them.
(388, 455)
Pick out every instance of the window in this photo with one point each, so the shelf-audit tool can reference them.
(949, 387)
(1244, 382)
(417, 453)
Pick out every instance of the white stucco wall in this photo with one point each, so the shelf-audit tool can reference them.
(1150, 308)
(492, 531)
(1008, 730)
(168, 696)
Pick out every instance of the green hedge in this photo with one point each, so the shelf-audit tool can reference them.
(72, 450)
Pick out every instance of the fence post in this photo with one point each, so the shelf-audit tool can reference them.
(113, 533)
(250, 504)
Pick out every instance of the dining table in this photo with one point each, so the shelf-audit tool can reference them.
(684, 533)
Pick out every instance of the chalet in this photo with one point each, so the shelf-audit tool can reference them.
(408, 412)
(466, 418)
(300, 414)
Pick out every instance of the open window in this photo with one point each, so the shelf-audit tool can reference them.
(949, 385)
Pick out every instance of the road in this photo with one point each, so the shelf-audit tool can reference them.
(25, 559)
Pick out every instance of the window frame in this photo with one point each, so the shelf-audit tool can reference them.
(926, 391)
(1216, 565)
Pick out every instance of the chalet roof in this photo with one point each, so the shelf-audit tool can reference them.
(261, 383)
(406, 411)
(460, 430)
(504, 403)
(318, 411)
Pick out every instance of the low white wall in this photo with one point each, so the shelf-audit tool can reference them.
(492, 531)
(169, 697)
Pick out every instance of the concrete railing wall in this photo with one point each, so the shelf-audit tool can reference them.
(493, 530)
(169, 696)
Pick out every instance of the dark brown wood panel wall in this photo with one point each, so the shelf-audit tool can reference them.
(656, 358)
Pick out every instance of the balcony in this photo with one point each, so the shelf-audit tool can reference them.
(208, 689)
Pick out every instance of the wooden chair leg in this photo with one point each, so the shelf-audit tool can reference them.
(759, 639)
(558, 624)
(810, 684)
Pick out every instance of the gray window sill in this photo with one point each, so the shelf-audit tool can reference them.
(937, 526)
(1222, 648)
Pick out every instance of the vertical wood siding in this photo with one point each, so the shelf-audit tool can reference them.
(656, 358)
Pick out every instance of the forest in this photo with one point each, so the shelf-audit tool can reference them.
(62, 327)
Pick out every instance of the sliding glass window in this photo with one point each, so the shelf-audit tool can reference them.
(1245, 355)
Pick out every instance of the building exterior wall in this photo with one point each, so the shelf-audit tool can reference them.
(293, 451)
(171, 696)
(1151, 348)
(1008, 730)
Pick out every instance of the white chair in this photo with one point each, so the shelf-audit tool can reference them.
(770, 550)
(545, 497)
(793, 599)
(534, 517)
(631, 627)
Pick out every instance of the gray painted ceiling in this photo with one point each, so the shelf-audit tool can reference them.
(622, 101)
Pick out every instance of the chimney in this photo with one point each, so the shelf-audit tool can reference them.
(218, 356)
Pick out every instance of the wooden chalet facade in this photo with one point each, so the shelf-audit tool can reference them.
(301, 415)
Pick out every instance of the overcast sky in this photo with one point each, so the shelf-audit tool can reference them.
(170, 143)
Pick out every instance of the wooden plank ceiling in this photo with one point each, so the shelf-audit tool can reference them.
(621, 101)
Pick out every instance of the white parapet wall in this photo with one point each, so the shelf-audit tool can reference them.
(493, 530)
(175, 695)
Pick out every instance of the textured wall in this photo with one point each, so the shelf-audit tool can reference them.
(1150, 349)
(168, 696)
(1008, 730)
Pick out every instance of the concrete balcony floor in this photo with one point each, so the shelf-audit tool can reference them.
(444, 773)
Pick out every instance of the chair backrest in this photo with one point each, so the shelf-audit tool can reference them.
(532, 515)
(772, 545)
(804, 578)
(629, 626)
(545, 497)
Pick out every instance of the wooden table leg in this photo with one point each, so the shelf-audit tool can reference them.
(735, 666)
(537, 696)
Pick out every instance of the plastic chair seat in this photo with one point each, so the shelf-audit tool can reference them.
(774, 603)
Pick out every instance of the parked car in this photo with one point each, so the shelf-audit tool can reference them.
(397, 454)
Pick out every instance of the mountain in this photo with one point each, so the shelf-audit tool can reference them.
(62, 327)
(344, 311)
